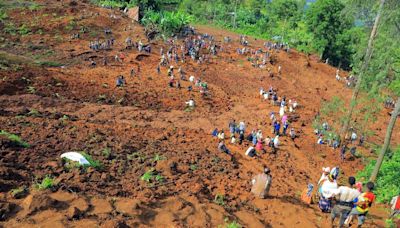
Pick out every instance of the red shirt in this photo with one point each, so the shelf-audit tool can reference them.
(367, 198)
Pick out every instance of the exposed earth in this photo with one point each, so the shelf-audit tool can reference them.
(145, 126)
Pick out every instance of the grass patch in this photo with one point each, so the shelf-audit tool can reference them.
(229, 224)
(14, 138)
(13, 30)
(31, 89)
(106, 152)
(47, 182)
(48, 64)
(23, 30)
(34, 6)
(219, 199)
(151, 176)
(10, 29)
(33, 112)
(158, 158)
(193, 167)
(16, 192)
(3, 15)
(92, 162)
(71, 25)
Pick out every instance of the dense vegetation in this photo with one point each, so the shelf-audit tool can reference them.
(388, 183)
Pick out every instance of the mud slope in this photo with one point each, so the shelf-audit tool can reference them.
(145, 126)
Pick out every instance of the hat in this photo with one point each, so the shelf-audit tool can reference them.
(267, 170)
(171, 67)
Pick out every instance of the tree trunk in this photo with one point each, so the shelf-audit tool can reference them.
(386, 143)
(364, 67)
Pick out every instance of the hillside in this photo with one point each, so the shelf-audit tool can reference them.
(54, 100)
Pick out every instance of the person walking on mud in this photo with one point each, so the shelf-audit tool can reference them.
(261, 184)
(344, 203)
(362, 206)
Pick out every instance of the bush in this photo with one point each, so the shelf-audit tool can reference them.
(166, 23)
(114, 3)
(388, 180)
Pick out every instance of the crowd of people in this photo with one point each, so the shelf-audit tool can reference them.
(350, 81)
(343, 202)
(326, 137)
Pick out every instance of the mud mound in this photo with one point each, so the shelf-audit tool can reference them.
(39, 202)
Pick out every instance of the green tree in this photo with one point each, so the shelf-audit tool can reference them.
(328, 26)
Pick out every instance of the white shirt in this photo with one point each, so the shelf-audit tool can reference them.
(242, 126)
(346, 194)
(281, 111)
(328, 188)
(276, 141)
(259, 135)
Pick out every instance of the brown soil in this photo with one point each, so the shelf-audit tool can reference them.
(146, 119)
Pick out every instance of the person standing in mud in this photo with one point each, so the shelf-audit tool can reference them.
(232, 127)
(362, 206)
(133, 72)
(344, 203)
(261, 184)
(158, 69)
